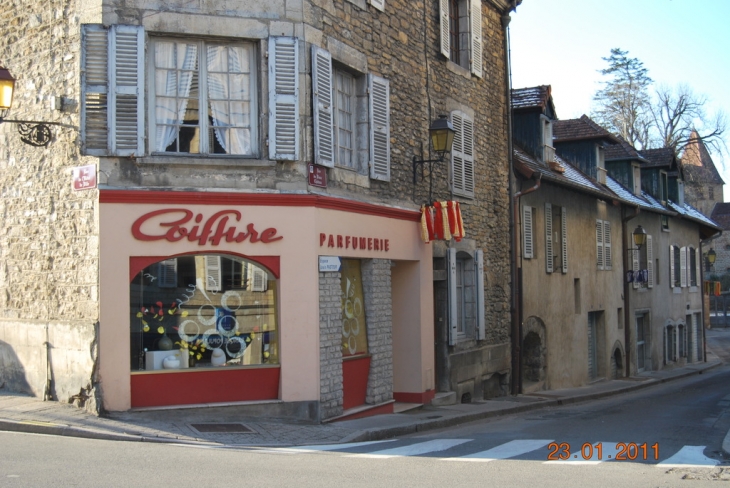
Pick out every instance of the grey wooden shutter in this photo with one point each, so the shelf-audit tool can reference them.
(322, 107)
(635, 258)
(94, 90)
(476, 37)
(599, 244)
(468, 147)
(481, 321)
(462, 155)
(378, 4)
(379, 119)
(607, 249)
(126, 92)
(548, 238)
(453, 314)
(671, 266)
(213, 275)
(564, 234)
(649, 262)
(444, 23)
(683, 267)
(698, 266)
(283, 98)
(528, 249)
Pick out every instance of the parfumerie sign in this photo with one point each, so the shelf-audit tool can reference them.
(354, 242)
(175, 224)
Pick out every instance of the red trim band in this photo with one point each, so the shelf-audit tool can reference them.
(423, 398)
(273, 200)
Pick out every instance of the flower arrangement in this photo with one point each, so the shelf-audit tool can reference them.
(195, 348)
(147, 315)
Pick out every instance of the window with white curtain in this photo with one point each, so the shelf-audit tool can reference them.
(204, 97)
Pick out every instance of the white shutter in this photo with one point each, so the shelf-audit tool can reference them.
(462, 155)
(378, 4)
(528, 249)
(213, 275)
(476, 37)
(379, 119)
(94, 90)
(671, 266)
(445, 34)
(126, 92)
(283, 98)
(683, 267)
(649, 262)
(564, 234)
(599, 244)
(549, 237)
(322, 107)
(607, 250)
(698, 266)
(258, 279)
(635, 259)
(453, 315)
(167, 273)
(468, 156)
(481, 306)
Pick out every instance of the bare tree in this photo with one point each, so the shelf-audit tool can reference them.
(624, 102)
(677, 112)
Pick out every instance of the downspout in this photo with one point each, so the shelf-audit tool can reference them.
(627, 291)
(517, 291)
(702, 287)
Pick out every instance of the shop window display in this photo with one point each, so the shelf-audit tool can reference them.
(203, 311)
(354, 331)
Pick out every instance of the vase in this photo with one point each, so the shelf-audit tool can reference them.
(171, 362)
(165, 343)
(217, 357)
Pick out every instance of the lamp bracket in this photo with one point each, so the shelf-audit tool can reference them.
(36, 133)
(420, 162)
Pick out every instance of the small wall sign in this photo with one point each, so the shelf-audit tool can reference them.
(329, 264)
(84, 177)
(317, 175)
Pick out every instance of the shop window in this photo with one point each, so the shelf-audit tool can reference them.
(354, 324)
(220, 311)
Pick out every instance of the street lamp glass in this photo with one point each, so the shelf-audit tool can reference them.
(7, 86)
(639, 236)
(711, 256)
(442, 135)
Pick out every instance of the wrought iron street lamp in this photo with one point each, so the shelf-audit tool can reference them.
(639, 237)
(441, 133)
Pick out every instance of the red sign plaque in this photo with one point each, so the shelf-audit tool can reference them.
(317, 175)
(84, 177)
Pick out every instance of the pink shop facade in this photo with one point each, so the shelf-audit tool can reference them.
(303, 305)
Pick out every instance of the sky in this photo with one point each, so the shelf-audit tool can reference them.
(561, 43)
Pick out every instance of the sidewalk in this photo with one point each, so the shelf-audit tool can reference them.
(223, 426)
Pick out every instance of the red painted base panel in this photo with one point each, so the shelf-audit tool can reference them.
(354, 381)
(195, 387)
(424, 397)
(377, 410)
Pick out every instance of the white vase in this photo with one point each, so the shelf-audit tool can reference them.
(171, 362)
(217, 357)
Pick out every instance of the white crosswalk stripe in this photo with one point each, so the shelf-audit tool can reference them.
(545, 450)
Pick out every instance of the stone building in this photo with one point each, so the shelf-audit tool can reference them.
(267, 252)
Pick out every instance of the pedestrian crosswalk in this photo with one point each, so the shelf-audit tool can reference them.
(547, 451)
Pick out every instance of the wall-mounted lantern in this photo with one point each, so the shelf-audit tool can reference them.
(639, 235)
(441, 133)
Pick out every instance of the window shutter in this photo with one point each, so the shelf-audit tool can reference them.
(635, 264)
(453, 317)
(379, 119)
(258, 279)
(126, 92)
(683, 267)
(476, 37)
(481, 325)
(213, 273)
(549, 237)
(564, 233)
(599, 244)
(378, 4)
(167, 273)
(607, 250)
(94, 90)
(283, 99)
(671, 266)
(527, 244)
(698, 266)
(445, 34)
(649, 262)
(462, 155)
(322, 107)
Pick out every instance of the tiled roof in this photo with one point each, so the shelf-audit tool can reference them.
(721, 214)
(697, 162)
(659, 157)
(532, 97)
(644, 201)
(578, 129)
(689, 211)
(621, 151)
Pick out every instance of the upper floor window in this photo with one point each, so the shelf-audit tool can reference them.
(663, 187)
(604, 254)
(461, 33)
(556, 238)
(203, 96)
(344, 118)
(637, 179)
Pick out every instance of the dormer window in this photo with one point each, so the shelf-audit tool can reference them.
(663, 187)
(636, 171)
(548, 151)
(600, 165)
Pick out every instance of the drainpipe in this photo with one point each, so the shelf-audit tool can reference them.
(627, 291)
(702, 288)
(517, 290)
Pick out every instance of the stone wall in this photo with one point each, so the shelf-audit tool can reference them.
(48, 232)
(330, 345)
(379, 315)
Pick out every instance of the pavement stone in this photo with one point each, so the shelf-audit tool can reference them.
(22, 413)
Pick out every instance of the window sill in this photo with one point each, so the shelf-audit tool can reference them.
(205, 161)
(458, 69)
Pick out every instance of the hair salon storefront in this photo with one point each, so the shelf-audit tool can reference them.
(313, 302)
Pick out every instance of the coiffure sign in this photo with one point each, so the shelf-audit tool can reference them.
(176, 224)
